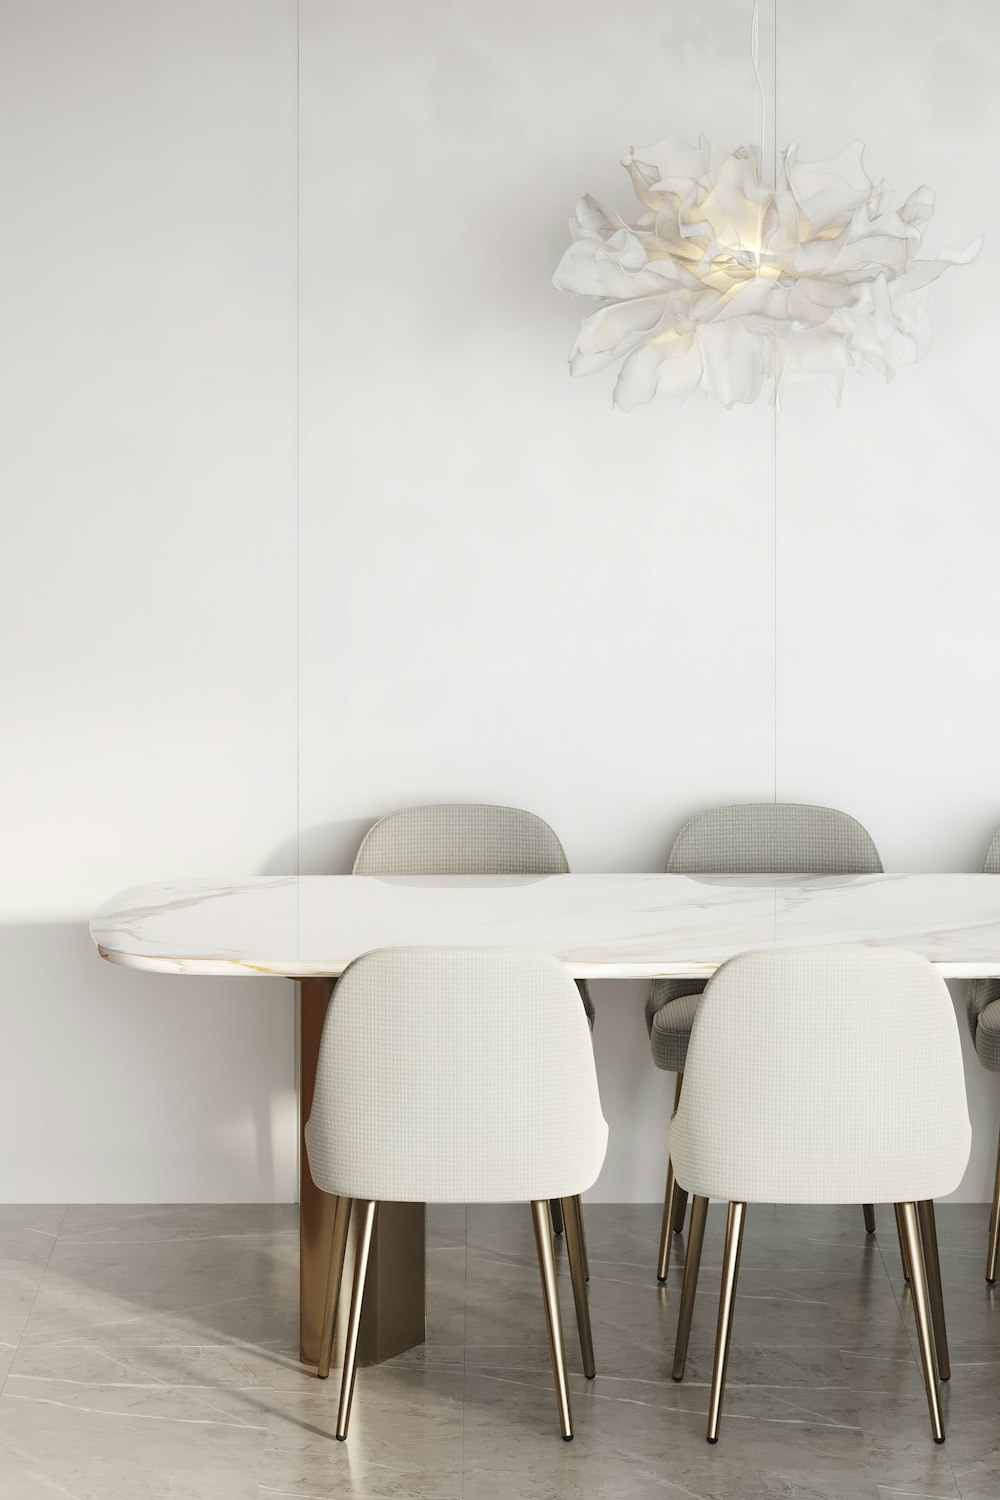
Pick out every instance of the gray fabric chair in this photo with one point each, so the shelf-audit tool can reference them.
(750, 838)
(984, 1023)
(466, 838)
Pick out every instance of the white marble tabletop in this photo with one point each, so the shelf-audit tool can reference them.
(599, 926)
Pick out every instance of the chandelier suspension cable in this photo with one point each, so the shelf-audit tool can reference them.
(758, 112)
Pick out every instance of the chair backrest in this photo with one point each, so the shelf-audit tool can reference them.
(461, 838)
(983, 992)
(764, 838)
(823, 1075)
(773, 838)
(455, 1075)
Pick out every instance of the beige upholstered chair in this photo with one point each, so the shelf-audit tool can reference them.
(456, 1075)
(466, 838)
(823, 1075)
(984, 1023)
(751, 838)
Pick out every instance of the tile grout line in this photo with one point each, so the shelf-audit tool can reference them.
(906, 1322)
(38, 1288)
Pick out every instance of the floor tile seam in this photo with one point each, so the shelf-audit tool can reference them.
(906, 1322)
(38, 1288)
(182, 1239)
(131, 1416)
(143, 1385)
(465, 1351)
(686, 1411)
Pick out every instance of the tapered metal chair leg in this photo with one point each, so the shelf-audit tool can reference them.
(922, 1313)
(670, 1197)
(994, 1245)
(932, 1266)
(696, 1238)
(556, 1215)
(680, 1207)
(335, 1275)
(869, 1211)
(727, 1300)
(680, 1196)
(904, 1253)
(666, 1227)
(365, 1211)
(550, 1295)
(573, 1219)
(583, 1243)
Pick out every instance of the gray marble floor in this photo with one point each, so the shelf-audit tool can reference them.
(148, 1353)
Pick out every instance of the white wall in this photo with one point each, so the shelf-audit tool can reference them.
(508, 591)
(147, 603)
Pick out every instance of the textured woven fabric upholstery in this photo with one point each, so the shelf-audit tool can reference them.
(823, 1075)
(670, 1031)
(752, 838)
(988, 1036)
(455, 1075)
(985, 992)
(464, 838)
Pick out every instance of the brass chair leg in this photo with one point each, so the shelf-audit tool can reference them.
(680, 1207)
(904, 1253)
(573, 1219)
(922, 1313)
(869, 1211)
(366, 1210)
(556, 1215)
(994, 1244)
(932, 1267)
(696, 1238)
(680, 1197)
(666, 1227)
(727, 1298)
(335, 1275)
(583, 1243)
(550, 1295)
(670, 1197)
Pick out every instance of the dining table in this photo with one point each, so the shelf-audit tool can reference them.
(307, 929)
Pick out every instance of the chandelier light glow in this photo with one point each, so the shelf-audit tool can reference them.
(729, 285)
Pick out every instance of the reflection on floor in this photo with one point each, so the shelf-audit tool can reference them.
(150, 1353)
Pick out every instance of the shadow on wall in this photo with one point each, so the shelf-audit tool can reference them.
(170, 1088)
(327, 849)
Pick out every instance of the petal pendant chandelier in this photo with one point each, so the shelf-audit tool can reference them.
(728, 284)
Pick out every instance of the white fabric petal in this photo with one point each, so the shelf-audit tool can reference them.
(724, 281)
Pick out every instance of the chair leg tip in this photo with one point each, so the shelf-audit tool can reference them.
(678, 1378)
(991, 1281)
(567, 1437)
(341, 1437)
(713, 1441)
(939, 1441)
(663, 1281)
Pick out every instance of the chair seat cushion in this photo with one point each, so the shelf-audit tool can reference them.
(670, 1032)
(988, 1037)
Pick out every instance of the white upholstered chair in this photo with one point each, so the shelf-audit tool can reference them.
(823, 1075)
(456, 1075)
(984, 1023)
(747, 838)
(467, 838)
